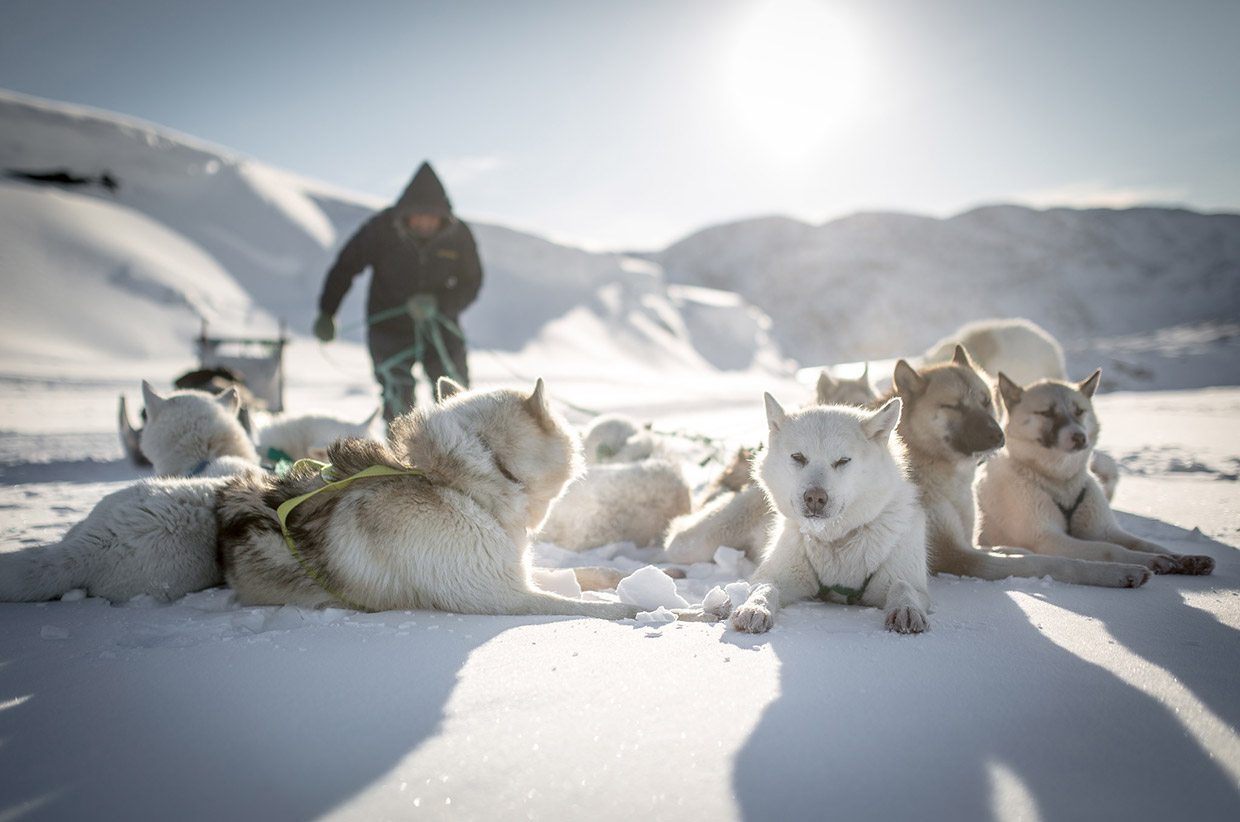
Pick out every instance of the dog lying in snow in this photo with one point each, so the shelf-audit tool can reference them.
(618, 502)
(306, 436)
(849, 529)
(445, 524)
(157, 536)
(1039, 494)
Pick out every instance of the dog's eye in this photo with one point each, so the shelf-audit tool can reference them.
(1048, 413)
(985, 401)
(842, 461)
(955, 407)
(800, 459)
(1078, 412)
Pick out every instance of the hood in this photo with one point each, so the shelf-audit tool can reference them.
(425, 195)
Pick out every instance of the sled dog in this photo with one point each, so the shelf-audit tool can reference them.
(858, 392)
(306, 435)
(618, 438)
(740, 520)
(157, 536)
(1026, 352)
(947, 427)
(618, 502)
(445, 526)
(1038, 493)
(849, 527)
(1016, 346)
(192, 433)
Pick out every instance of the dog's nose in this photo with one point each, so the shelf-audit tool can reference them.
(815, 500)
(1078, 440)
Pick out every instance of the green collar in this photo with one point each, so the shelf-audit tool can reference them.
(286, 508)
(852, 596)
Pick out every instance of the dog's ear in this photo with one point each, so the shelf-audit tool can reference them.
(230, 401)
(907, 381)
(1089, 386)
(775, 414)
(537, 405)
(879, 425)
(153, 402)
(1009, 391)
(825, 384)
(447, 387)
(865, 373)
(961, 357)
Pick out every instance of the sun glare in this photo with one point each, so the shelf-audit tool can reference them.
(794, 76)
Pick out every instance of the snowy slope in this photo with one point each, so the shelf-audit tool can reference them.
(871, 286)
(236, 224)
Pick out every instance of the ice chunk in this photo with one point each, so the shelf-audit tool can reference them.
(738, 592)
(650, 588)
(54, 632)
(659, 616)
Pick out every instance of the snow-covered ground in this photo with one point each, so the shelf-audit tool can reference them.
(1027, 699)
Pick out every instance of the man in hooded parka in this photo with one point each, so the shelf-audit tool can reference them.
(425, 270)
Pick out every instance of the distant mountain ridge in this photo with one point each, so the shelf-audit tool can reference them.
(877, 285)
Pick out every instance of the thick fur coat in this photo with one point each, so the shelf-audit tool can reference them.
(948, 427)
(1038, 493)
(157, 536)
(849, 526)
(454, 536)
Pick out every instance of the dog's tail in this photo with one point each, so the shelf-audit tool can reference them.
(44, 572)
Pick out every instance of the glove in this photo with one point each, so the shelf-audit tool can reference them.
(422, 306)
(325, 328)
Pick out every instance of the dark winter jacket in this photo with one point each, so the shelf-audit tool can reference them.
(445, 265)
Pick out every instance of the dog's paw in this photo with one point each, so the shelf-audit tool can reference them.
(906, 620)
(1133, 576)
(1163, 564)
(752, 619)
(1195, 564)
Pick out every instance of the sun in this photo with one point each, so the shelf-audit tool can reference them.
(794, 76)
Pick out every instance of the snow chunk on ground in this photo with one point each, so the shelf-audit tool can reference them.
(650, 588)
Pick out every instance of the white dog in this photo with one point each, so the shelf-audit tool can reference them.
(442, 521)
(157, 536)
(618, 502)
(305, 436)
(618, 438)
(197, 436)
(850, 528)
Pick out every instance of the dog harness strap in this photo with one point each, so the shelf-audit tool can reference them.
(286, 508)
(1068, 511)
(199, 468)
(851, 595)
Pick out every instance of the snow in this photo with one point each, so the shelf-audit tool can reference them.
(1027, 699)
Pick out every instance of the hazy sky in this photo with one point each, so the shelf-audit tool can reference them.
(631, 123)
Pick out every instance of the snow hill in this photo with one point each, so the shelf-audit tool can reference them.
(873, 286)
(194, 232)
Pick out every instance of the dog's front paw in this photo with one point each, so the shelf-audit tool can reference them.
(1163, 564)
(1195, 564)
(1133, 576)
(906, 620)
(752, 619)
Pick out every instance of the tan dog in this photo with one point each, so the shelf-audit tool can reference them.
(447, 528)
(947, 427)
(1039, 494)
